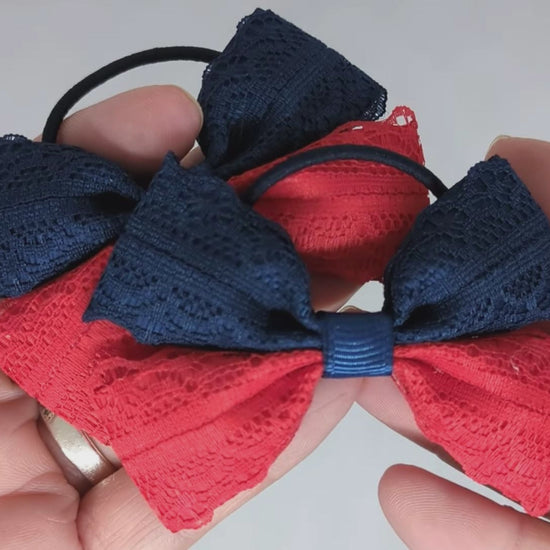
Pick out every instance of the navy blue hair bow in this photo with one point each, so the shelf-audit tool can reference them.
(62, 204)
(196, 267)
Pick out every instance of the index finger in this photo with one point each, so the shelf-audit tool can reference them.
(136, 128)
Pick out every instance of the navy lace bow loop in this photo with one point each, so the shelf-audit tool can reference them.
(276, 89)
(476, 261)
(196, 267)
(272, 90)
(60, 204)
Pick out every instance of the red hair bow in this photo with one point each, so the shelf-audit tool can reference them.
(194, 427)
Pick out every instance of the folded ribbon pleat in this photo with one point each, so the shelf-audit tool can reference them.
(275, 89)
(194, 261)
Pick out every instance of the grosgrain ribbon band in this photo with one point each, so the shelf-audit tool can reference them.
(356, 344)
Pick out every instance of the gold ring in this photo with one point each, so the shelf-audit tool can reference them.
(84, 461)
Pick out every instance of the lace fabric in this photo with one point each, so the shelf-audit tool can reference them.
(485, 401)
(476, 261)
(192, 427)
(59, 204)
(275, 89)
(347, 218)
(191, 233)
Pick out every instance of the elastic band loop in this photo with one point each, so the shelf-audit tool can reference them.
(343, 152)
(146, 57)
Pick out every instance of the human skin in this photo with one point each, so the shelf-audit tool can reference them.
(40, 509)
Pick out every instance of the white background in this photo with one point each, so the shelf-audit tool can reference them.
(470, 69)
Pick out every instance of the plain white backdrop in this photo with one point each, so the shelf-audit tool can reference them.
(471, 69)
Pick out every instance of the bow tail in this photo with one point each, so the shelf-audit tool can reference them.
(486, 401)
(195, 430)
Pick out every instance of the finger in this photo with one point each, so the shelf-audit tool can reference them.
(530, 158)
(431, 513)
(9, 390)
(118, 507)
(137, 128)
(380, 396)
(37, 506)
(330, 293)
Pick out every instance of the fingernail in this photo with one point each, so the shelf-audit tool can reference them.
(498, 138)
(196, 102)
(194, 157)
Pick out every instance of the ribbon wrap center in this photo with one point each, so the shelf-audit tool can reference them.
(356, 344)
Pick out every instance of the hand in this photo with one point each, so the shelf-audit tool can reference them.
(38, 507)
(430, 513)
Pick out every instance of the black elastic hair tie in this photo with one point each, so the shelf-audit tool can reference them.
(343, 152)
(271, 177)
(154, 55)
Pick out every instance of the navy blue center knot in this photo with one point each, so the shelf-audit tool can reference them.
(356, 344)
